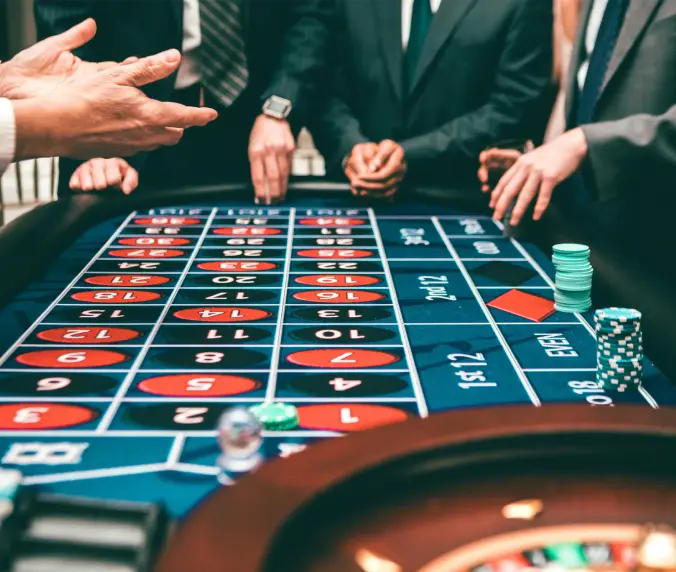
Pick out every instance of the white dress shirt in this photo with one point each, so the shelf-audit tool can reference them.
(189, 72)
(407, 15)
(593, 27)
(7, 134)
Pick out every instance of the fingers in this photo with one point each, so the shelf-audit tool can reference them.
(482, 174)
(130, 182)
(170, 114)
(379, 186)
(385, 151)
(545, 197)
(258, 178)
(161, 137)
(272, 177)
(113, 172)
(98, 174)
(148, 70)
(75, 183)
(359, 158)
(103, 66)
(511, 190)
(502, 183)
(392, 167)
(383, 194)
(526, 196)
(82, 178)
(74, 38)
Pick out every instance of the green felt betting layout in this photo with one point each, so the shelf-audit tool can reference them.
(357, 318)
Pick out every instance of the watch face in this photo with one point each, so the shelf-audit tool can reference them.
(277, 107)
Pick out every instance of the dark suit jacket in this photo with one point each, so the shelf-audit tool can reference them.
(285, 42)
(632, 143)
(483, 77)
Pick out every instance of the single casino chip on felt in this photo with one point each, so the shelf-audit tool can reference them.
(276, 416)
(524, 304)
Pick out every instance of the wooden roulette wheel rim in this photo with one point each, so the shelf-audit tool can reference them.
(242, 528)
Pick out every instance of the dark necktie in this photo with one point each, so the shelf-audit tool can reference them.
(600, 58)
(421, 18)
(579, 192)
(223, 57)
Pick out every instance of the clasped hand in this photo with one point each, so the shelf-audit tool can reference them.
(376, 170)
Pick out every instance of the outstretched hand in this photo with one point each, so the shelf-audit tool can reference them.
(104, 114)
(535, 175)
(37, 71)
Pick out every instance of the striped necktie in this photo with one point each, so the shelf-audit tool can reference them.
(224, 66)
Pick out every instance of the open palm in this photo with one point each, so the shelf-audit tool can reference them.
(38, 70)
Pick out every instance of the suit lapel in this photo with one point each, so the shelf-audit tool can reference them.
(449, 15)
(576, 57)
(388, 15)
(639, 14)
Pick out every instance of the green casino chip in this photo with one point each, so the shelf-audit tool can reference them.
(573, 278)
(276, 416)
(613, 314)
(571, 249)
(621, 388)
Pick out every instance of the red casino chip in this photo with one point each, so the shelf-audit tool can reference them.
(167, 221)
(116, 296)
(72, 359)
(89, 335)
(222, 314)
(236, 266)
(27, 416)
(127, 280)
(332, 221)
(339, 296)
(154, 241)
(146, 253)
(247, 231)
(336, 253)
(348, 417)
(338, 280)
(342, 358)
(198, 385)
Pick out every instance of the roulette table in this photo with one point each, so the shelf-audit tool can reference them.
(415, 331)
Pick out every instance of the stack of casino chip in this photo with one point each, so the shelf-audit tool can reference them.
(275, 416)
(620, 349)
(573, 280)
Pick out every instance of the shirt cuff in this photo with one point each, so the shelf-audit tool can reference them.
(7, 134)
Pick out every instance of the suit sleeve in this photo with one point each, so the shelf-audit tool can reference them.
(335, 129)
(304, 57)
(615, 148)
(523, 79)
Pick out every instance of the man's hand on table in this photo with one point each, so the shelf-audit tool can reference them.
(99, 174)
(536, 174)
(37, 71)
(104, 114)
(495, 159)
(376, 170)
(271, 147)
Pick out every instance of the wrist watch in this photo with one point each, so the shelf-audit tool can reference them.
(277, 107)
